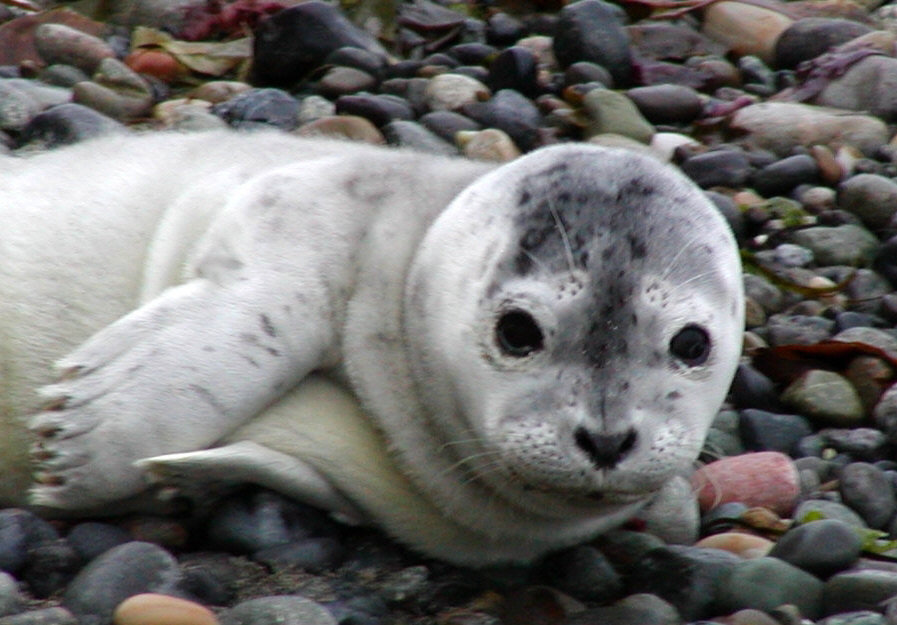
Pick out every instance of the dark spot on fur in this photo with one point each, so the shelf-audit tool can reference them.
(637, 247)
(267, 326)
(674, 395)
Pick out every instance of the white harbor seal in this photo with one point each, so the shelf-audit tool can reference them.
(536, 348)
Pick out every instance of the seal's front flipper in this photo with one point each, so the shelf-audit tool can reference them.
(199, 474)
(175, 375)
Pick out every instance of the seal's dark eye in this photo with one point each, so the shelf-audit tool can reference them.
(691, 345)
(518, 334)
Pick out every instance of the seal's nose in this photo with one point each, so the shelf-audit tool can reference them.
(603, 449)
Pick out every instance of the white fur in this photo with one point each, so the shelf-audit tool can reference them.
(185, 285)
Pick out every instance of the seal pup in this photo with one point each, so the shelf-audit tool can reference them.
(537, 348)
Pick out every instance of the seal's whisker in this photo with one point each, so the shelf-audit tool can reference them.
(535, 260)
(483, 470)
(670, 266)
(696, 278)
(460, 441)
(562, 229)
(467, 460)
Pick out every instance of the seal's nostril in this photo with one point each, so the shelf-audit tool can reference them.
(605, 450)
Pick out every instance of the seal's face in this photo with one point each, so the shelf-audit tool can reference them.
(584, 357)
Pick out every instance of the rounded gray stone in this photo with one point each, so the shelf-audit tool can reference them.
(870, 197)
(121, 572)
(767, 583)
(821, 547)
(279, 609)
(814, 508)
(826, 397)
(840, 245)
(867, 489)
(859, 590)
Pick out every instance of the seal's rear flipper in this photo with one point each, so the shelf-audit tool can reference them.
(196, 475)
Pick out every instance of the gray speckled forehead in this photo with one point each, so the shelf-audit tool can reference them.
(619, 217)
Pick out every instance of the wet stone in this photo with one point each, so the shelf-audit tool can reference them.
(315, 107)
(745, 28)
(283, 610)
(687, 577)
(21, 531)
(378, 109)
(718, 168)
(490, 144)
(764, 292)
(756, 75)
(503, 29)
(867, 490)
(861, 617)
(58, 43)
(766, 431)
(121, 572)
(822, 547)
(11, 602)
(17, 108)
(68, 123)
(868, 86)
(766, 583)
(366, 61)
(624, 548)
(446, 124)
(473, 53)
(583, 72)
(339, 81)
(885, 414)
(612, 112)
(850, 319)
(782, 126)
(859, 443)
(645, 609)
(51, 566)
(885, 261)
(765, 479)
(412, 90)
(510, 112)
(790, 255)
(271, 107)
(799, 329)
(311, 554)
(870, 197)
(839, 245)
(809, 37)
(91, 539)
(515, 68)
(859, 590)
(592, 30)
(828, 510)
(450, 92)
(293, 42)
(583, 572)
(667, 104)
(742, 545)
(62, 75)
(781, 177)
(825, 397)
(43, 616)
(413, 135)
(752, 389)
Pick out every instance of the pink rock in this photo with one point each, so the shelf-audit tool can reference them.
(747, 546)
(766, 479)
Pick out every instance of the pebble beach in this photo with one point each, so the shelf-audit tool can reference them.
(785, 113)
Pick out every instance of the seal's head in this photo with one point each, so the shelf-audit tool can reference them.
(575, 321)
